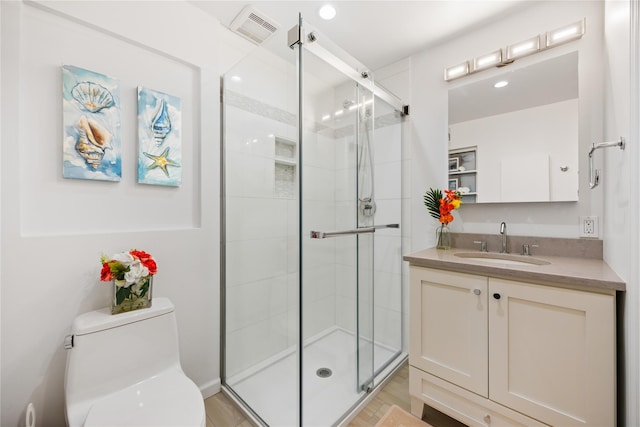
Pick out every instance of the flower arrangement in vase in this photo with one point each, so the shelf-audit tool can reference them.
(132, 276)
(440, 205)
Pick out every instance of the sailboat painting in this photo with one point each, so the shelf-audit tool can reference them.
(159, 138)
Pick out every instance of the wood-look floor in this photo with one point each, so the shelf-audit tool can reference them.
(221, 412)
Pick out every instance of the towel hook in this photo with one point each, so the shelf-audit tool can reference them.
(594, 175)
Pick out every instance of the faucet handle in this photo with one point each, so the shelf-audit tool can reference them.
(483, 245)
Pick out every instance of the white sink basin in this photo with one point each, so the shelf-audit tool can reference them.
(502, 259)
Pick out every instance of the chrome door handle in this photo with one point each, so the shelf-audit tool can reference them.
(325, 234)
(361, 230)
(386, 226)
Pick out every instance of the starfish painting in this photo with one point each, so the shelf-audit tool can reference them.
(159, 128)
(161, 161)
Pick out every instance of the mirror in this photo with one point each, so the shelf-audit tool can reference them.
(519, 142)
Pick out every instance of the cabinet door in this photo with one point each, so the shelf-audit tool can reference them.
(448, 332)
(552, 353)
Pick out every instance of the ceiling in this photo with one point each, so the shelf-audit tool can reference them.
(377, 33)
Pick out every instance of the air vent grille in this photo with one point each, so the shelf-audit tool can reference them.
(254, 25)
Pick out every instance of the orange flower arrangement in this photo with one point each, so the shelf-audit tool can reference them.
(441, 205)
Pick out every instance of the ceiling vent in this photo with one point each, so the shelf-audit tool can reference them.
(254, 25)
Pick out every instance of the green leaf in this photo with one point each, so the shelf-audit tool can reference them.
(144, 288)
(432, 202)
(122, 294)
(118, 270)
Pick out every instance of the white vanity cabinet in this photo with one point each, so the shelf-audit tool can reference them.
(495, 352)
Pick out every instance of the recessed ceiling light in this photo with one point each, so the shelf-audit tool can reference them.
(236, 79)
(501, 83)
(327, 12)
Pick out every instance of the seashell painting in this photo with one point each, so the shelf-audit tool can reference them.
(161, 122)
(92, 96)
(159, 138)
(91, 125)
(93, 140)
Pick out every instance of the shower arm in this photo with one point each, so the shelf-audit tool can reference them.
(594, 174)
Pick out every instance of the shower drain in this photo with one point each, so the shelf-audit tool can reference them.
(324, 372)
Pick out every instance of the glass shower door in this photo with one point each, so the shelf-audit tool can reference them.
(337, 243)
(260, 235)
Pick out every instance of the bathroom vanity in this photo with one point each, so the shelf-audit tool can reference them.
(503, 340)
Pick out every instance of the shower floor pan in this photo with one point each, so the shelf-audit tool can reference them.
(271, 391)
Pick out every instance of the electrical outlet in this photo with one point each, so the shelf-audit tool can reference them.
(588, 226)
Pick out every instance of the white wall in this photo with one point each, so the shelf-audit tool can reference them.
(54, 229)
(429, 96)
(620, 182)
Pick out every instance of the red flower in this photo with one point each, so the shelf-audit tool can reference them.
(141, 255)
(146, 260)
(105, 274)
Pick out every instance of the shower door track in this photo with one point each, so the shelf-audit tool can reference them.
(361, 77)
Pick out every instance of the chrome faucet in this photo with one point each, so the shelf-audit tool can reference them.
(483, 245)
(503, 232)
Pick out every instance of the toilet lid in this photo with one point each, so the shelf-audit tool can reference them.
(167, 400)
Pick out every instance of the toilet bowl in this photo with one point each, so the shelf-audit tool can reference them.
(124, 370)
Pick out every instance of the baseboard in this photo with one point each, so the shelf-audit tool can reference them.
(210, 388)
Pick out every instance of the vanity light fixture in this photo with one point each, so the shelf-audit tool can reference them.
(518, 50)
(456, 71)
(565, 34)
(524, 48)
(489, 60)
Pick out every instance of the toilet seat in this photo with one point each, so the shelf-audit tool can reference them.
(166, 400)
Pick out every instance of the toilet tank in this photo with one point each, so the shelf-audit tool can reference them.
(111, 352)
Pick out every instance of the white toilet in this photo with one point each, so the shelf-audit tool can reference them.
(124, 370)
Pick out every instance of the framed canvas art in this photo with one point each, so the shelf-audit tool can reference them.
(159, 138)
(91, 125)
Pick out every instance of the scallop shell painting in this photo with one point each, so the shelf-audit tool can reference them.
(159, 138)
(92, 96)
(91, 125)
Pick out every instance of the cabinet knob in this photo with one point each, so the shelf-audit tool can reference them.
(477, 291)
(496, 295)
(487, 419)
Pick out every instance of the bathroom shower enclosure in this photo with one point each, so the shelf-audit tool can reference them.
(311, 238)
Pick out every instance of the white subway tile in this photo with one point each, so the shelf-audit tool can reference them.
(250, 218)
(250, 261)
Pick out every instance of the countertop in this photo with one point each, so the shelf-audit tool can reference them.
(582, 273)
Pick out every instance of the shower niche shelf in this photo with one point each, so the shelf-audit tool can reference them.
(285, 164)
